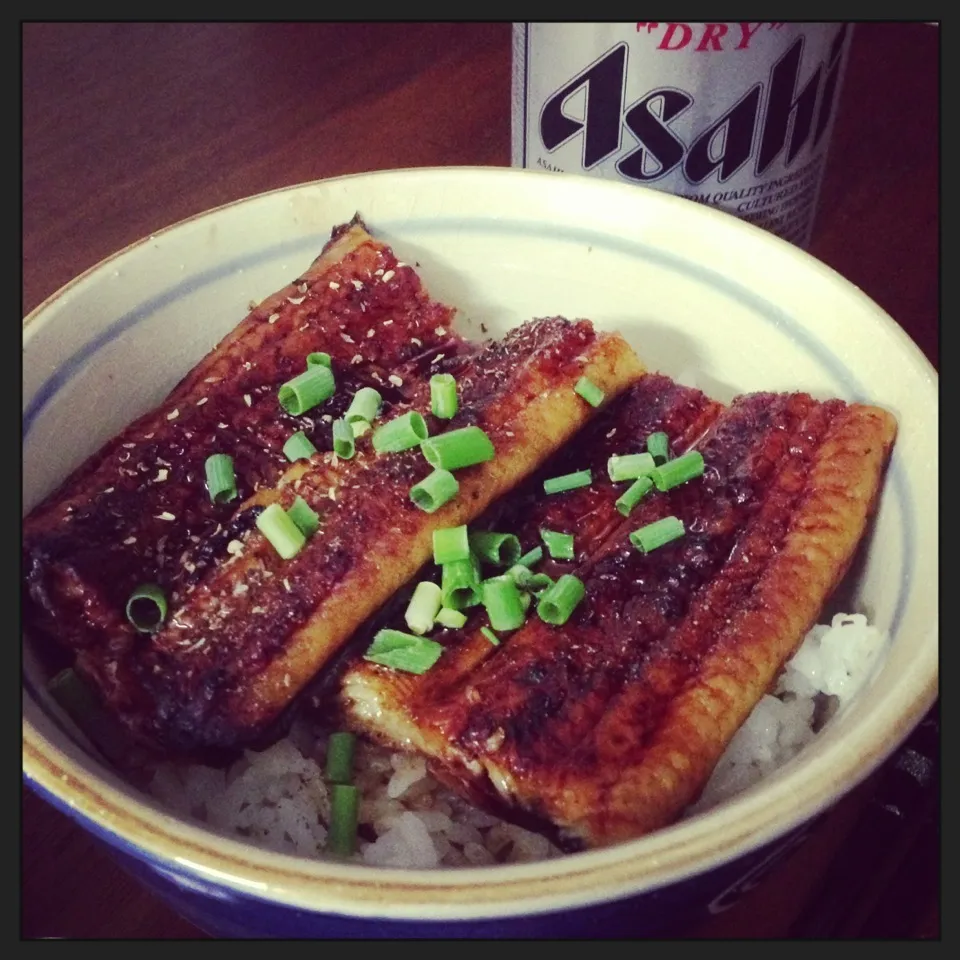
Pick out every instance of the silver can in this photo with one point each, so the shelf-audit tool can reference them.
(734, 115)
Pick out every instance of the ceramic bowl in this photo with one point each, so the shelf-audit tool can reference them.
(702, 297)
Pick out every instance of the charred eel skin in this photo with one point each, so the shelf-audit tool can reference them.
(607, 728)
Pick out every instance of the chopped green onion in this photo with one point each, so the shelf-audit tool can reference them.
(307, 389)
(460, 584)
(401, 433)
(449, 544)
(656, 534)
(147, 607)
(81, 704)
(674, 472)
(443, 395)
(559, 545)
(569, 481)
(423, 607)
(630, 466)
(359, 427)
(658, 446)
(491, 636)
(304, 516)
(323, 359)
(221, 479)
(501, 599)
(365, 405)
(525, 601)
(339, 765)
(633, 495)
(344, 810)
(531, 557)
(538, 583)
(458, 448)
(501, 549)
(299, 447)
(520, 575)
(557, 603)
(343, 442)
(434, 490)
(589, 391)
(403, 651)
(453, 619)
(281, 530)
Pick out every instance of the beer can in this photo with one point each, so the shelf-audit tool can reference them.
(735, 115)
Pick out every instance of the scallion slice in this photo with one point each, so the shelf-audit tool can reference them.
(559, 545)
(365, 405)
(443, 395)
(307, 389)
(344, 811)
(501, 600)
(569, 481)
(633, 495)
(500, 549)
(339, 763)
(630, 466)
(674, 472)
(147, 607)
(423, 607)
(221, 478)
(538, 583)
(531, 557)
(658, 446)
(359, 428)
(491, 636)
(305, 517)
(559, 601)
(458, 448)
(403, 651)
(656, 534)
(452, 619)
(343, 440)
(589, 391)
(460, 584)
(434, 490)
(520, 574)
(323, 359)
(451, 543)
(299, 447)
(281, 530)
(401, 433)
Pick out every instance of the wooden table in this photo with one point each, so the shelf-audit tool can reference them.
(130, 127)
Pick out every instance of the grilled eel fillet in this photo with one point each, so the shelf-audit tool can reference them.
(137, 510)
(243, 639)
(608, 727)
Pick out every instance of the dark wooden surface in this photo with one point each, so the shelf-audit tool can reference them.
(129, 127)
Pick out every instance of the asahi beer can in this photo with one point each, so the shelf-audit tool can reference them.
(734, 115)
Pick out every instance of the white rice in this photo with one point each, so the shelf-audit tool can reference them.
(278, 798)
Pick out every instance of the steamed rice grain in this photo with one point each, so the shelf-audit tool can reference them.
(278, 798)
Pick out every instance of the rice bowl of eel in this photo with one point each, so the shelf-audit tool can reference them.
(717, 309)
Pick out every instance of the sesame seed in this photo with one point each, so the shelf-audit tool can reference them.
(440, 332)
(334, 285)
(173, 414)
(327, 418)
(417, 341)
(247, 400)
(296, 301)
(357, 358)
(247, 365)
(240, 588)
(388, 276)
(202, 401)
(303, 326)
(166, 515)
(109, 490)
(286, 584)
(438, 358)
(332, 493)
(129, 540)
(286, 679)
(611, 433)
(357, 284)
(370, 333)
(395, 380)
(273, 318)
(129, 446)
(347, 338)
(161, 476)
(376, 376)
(400, 264)
(302, 288)
(378, 272)
(235, 548)
(387, 323)
(212, 380)
(258, 610)
(222, 426)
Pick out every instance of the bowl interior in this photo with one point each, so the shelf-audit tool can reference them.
(701, 296)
